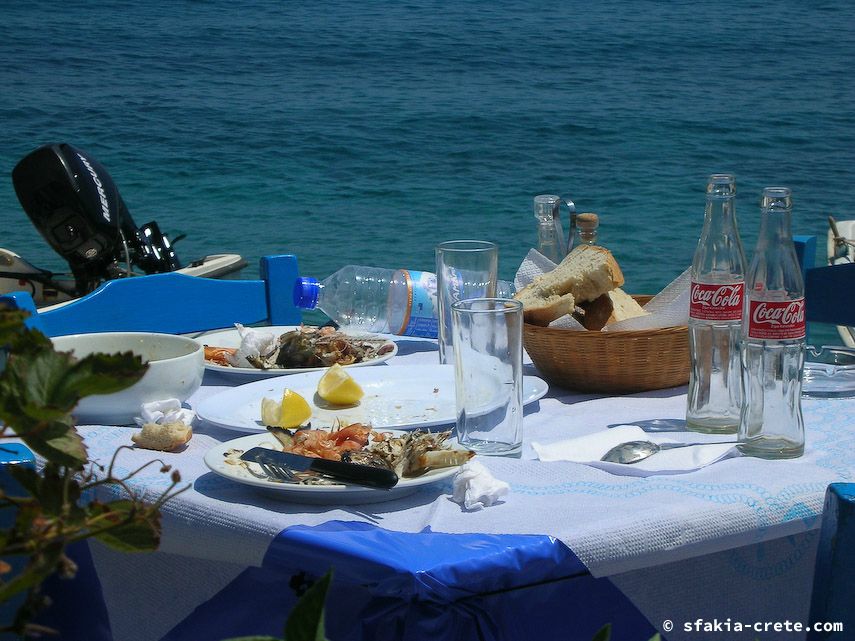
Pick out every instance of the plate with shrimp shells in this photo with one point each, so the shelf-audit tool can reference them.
(224, 460)
(303, 350)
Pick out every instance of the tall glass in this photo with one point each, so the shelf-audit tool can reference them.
(488, 374)
(464, 269)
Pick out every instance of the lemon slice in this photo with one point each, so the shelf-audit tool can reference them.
(337, 387)
(291, 411)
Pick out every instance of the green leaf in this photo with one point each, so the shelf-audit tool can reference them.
(27, 477)
(38, 391)
(139, 530)
(19, 338)
(59, 443)
(47, 488)
(11, 324)
(48, 384)
(35, 377)
(604, 633)
(102, 374)
(306, 622)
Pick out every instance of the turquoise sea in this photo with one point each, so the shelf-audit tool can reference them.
(366, 132)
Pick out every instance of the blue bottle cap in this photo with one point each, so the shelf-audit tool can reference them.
(306, 292)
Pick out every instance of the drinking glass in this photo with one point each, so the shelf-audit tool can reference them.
(487, 335)
(464, 269)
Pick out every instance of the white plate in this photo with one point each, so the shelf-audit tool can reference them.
(404, 396)
(231, 338)
(326, 494)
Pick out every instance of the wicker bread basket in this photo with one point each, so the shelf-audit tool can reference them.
(614, 362)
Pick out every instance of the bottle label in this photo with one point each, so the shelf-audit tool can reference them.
(421, 316)
(716, 302)
(776, 320)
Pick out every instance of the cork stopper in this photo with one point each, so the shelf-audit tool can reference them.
(587, 221)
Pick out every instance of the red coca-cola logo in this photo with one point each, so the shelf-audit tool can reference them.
(776, 320)
(716, 301)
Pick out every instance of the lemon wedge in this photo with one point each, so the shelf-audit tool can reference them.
(338, 387)
(291, 411)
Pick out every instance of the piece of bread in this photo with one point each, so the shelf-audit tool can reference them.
(624, 306)
(165, 437)
(542, 309)
(586, 273)
(596, 313)
(611, 307)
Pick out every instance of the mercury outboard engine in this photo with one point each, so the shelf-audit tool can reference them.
(75, 205)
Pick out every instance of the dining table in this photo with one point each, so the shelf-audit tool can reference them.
(570, 547)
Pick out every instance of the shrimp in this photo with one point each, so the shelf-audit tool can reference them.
(219, 355)
(356, 433)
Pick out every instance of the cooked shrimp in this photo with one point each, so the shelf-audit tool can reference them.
(219, 355)
(355, 432)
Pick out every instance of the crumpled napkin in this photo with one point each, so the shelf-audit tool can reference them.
(475, 488)
(166, 411)
(253, 343)
(590, 448)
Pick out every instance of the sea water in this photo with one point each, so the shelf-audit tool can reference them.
(366, 133)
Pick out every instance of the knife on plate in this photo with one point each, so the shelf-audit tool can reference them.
(347, 472)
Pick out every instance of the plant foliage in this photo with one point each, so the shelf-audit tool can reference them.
(39, 388)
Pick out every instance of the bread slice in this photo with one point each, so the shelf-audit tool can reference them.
(624, 306)
(542, 309)
(166, 437)
(611, 307)
(585, 274)
(596, 313)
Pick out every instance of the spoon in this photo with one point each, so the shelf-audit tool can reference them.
(635, 451)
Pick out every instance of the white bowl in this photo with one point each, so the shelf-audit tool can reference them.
(176, 365)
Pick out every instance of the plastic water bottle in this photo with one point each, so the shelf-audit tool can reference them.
(379, 300)
(771, 424)
(714, 400)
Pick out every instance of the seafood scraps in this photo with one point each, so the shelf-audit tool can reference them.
(409, 454)
(305, 346)
(328, 444)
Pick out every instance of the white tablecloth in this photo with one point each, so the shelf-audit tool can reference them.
(748, 521)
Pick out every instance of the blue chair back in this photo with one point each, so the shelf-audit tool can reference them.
(830, 294)
(174, 303)
(828, 290)
(834, 578)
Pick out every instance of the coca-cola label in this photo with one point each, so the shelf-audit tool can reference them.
(776, 320)
(716, 302)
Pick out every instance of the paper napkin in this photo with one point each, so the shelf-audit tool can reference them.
(253, 343)
(166, 411)
(475, 488)
(590, 448)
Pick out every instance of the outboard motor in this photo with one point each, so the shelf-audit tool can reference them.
(75, 205)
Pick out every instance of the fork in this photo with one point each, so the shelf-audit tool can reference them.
(273, 472)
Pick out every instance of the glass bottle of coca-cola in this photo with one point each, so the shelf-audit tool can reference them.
(715, 315)
(771, 425)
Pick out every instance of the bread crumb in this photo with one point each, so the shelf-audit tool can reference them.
(165, 437)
